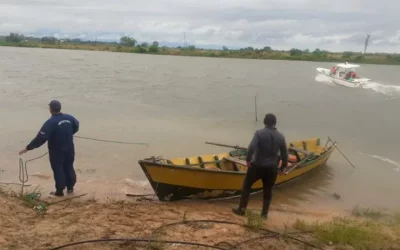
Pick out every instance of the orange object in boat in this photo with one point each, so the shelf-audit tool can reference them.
(289, 164)
(291, 159)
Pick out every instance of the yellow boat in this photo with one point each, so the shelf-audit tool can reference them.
(222, 175)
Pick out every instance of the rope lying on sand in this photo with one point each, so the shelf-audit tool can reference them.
(139, 240)
(269, 234)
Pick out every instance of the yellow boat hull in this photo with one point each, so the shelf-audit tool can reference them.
(213, 176)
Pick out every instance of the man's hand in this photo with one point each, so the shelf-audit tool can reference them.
(248, 164)
(23, 151)
(282, 171)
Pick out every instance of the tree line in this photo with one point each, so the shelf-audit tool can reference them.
(130, 44)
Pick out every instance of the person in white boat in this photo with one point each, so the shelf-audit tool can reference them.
(333, 70)
(351, 74)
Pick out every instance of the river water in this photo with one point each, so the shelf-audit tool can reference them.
(177, 103)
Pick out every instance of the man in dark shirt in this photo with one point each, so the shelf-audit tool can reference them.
(263, 163)
(58, 130)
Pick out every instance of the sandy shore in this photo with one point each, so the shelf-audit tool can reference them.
(86, 218)
(83, 216)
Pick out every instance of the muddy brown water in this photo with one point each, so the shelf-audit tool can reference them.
(178, 103)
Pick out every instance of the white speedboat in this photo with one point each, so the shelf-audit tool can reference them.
(344, 74)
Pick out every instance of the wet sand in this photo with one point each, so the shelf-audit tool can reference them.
(86, 218)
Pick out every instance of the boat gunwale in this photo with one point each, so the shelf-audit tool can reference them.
(327, 153)
(276, 185)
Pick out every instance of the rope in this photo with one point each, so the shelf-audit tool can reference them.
(160, 158)
(140, 240)
(270, 234)
(23, 171)
(120, 142)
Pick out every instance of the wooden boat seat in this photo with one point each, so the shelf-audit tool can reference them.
(243, 163)
(193, 161)
(240, 165)
(218, 162)
(208, 162)
(235, 160)
(298, 152)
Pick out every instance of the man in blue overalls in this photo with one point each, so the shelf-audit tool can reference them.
(58, 130)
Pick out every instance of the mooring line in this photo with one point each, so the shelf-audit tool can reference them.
(120, 142)
(23, 170)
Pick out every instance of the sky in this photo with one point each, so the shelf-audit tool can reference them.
(339, 25)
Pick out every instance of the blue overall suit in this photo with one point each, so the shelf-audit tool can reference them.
(58, 131)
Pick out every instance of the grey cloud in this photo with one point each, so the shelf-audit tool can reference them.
(337, 25)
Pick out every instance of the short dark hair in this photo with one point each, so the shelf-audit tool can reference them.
(55, 110)
(270, 120)
(55, 106)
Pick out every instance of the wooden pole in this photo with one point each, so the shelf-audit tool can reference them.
(225, 145)
(345, 157)
(255, 105)
(342, 154)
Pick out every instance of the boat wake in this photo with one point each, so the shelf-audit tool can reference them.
(388, 90)
(395, 164)
(324, 79)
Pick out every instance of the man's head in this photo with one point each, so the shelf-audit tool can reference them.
(55, 107)
(270, 120)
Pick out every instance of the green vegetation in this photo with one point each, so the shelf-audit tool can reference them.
(342, 231)
(254, 220)
(369, 232)
(396, 218)
(28, 199)
(367, 212)
(130, 45)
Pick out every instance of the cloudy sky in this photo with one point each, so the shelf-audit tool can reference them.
(337, 25)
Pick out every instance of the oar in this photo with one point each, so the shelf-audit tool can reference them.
(226, 146)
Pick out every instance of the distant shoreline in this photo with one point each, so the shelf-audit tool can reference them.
(246, 53)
